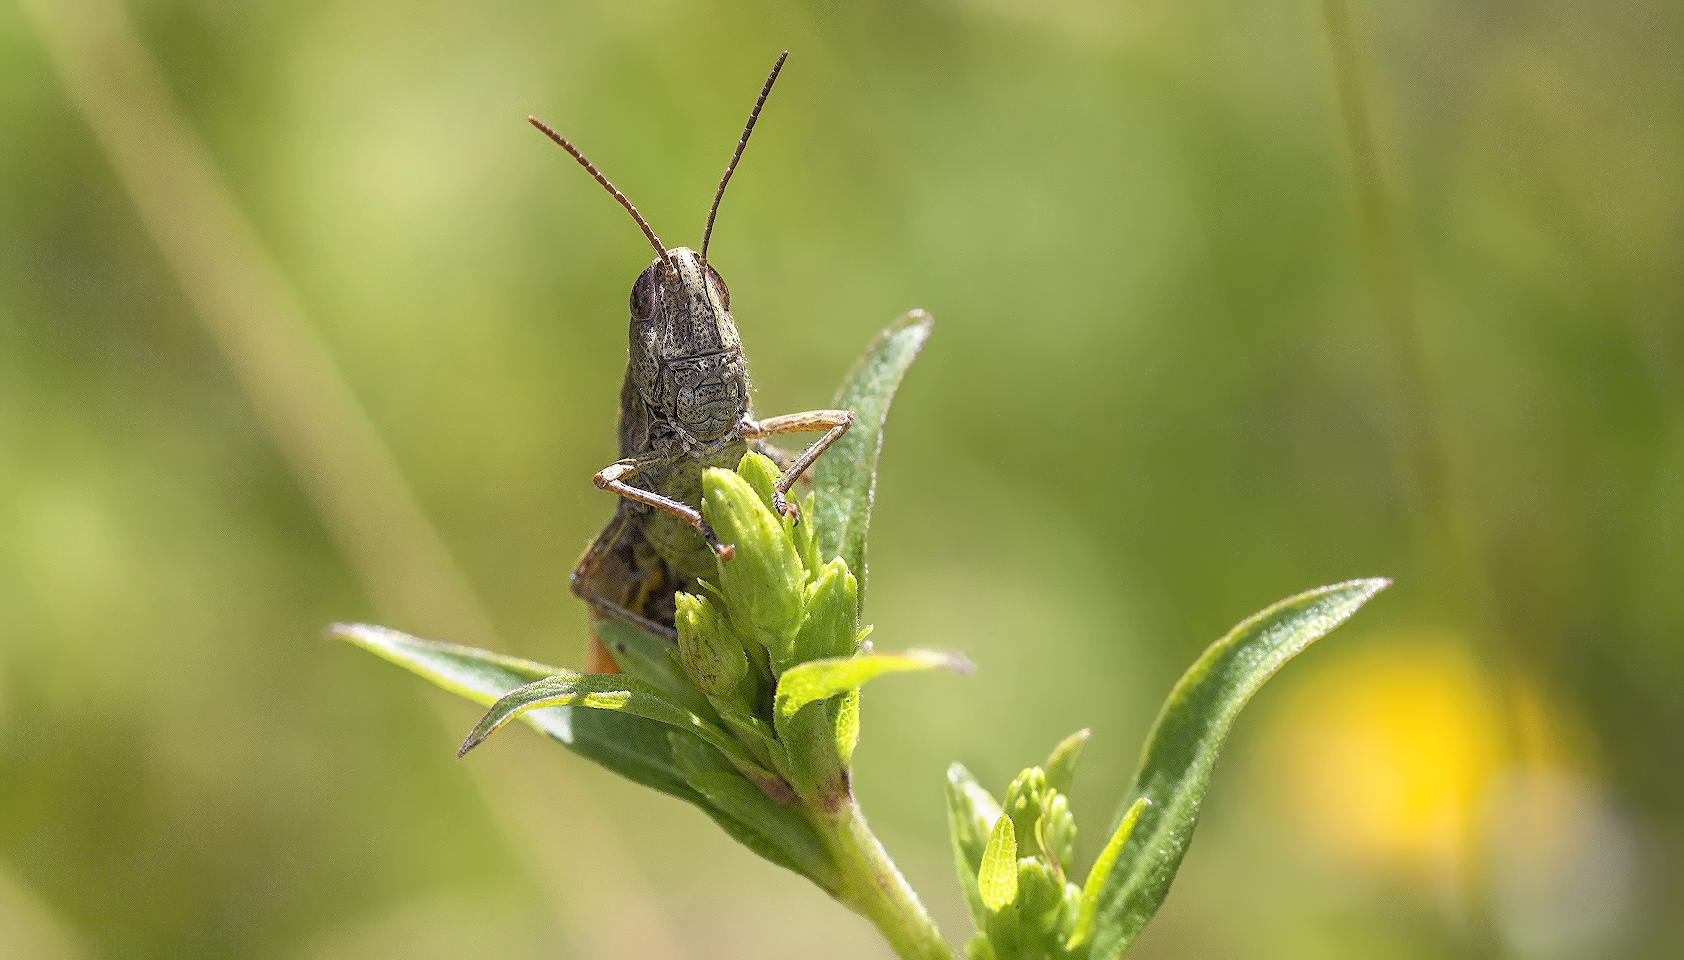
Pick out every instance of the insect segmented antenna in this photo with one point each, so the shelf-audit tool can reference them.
(731, 167)
(672, 269)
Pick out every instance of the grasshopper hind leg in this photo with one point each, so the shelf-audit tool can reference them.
(623, 578)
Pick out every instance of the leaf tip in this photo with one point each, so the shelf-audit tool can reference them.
(475, 737)
(488, 725)
(354, 632)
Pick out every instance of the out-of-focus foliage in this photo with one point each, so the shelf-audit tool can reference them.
(1264, 352)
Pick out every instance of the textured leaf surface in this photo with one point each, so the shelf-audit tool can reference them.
(633, 747)
(1181, 751)
(997, 878)
(816, 680)
(845, 478)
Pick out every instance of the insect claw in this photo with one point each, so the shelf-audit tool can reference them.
(785, 507)
(723, 551)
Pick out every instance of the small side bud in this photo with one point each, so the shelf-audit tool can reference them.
(1024, 800)
(710, 653)
(831, 626)
(1056, 831)
(1040, 902)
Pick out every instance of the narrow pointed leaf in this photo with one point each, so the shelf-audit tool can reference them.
(607, 691)
(1101, 871)
(815, 680)
(633, 747)
(1181, 751)
(1061, 766)
(845, 478)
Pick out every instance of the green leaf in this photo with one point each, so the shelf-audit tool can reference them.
(1181, 751)
(996, 879)
(845, 478)
(815, 680)
(751, 817)
(971, 814)
(1100, 872)
(1061, 766)
(633, 747)
(608, 691)
(790, 835)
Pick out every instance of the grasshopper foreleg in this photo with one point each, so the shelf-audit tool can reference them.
(834, 422)
(612, 478)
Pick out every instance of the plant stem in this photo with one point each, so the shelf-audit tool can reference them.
(873, 888)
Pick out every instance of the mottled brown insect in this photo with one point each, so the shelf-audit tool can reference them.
(684, 406)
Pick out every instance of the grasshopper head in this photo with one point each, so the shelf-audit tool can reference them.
(686, 358)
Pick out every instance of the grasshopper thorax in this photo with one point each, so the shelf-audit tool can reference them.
(686, 358)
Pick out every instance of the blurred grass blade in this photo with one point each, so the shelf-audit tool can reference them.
(631, 746)
(971, 813)
(1101, 872)
(815, 680)
(845, 478)
(611, 692)
(1181, 751)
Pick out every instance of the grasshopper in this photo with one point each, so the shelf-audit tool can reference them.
(684, 406)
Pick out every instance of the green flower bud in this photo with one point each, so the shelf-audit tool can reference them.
(1024, 804)
(762, 474)
(1056, 830)
(1040, 902)
(765, 577)
(710, 653)
(831, 626)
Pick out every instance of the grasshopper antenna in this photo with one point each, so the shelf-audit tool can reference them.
(672, 269)
(732, 166)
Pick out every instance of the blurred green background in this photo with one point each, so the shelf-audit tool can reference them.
(1232, 299)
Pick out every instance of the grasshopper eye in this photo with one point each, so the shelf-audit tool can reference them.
(643, 295)
(718, 284)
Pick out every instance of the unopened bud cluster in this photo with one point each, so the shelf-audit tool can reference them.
(773, 606)
(1014, 861)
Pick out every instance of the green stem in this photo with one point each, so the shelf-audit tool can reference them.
(873, 888)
